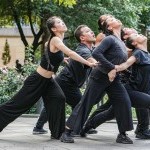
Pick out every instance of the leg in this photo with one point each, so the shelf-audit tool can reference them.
(141, 101)
(38, 129)
(121, 104)
(82, 110)
(138, 99)
(80, 113)
(71, 91)
(122, 108)
(142, 129)
(97, 120)
(54, 102)
(101, 109)
(29, 94)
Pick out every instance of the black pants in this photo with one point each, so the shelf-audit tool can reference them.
(34, 87)
(139, 100)
(101, 108)
(93, 93)
(141, 113)
(143, 119)
(73, 96)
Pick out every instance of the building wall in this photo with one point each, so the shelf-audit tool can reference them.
(17, 49)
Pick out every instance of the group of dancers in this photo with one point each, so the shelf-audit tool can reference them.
(116, 63)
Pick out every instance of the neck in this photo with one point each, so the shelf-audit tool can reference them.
(117, 33)
(143, 47)
(60, 35)
(88, 44)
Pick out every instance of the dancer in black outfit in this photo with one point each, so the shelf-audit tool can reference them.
(109, 53)
(138, 85)
(41, 83)
(142, 130)
(73, 75)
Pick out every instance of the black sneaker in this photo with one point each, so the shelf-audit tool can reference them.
(124, 139)
(66, 138)
(143, 134)
(39, 131)
(73, 134)
(92, 131)
(53, 138)
(86, 128)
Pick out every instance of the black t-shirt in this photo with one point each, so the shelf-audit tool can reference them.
(140, 79)
(112, 51)
(76, 72)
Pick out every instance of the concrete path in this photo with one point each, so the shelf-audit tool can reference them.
(18, 136)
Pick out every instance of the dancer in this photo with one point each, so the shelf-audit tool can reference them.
(142, 129)
(138, 85)
(73, 75)
(109, 53)
(41, 83)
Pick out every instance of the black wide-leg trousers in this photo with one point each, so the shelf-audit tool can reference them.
(34, 87)
(72, 93)
(93, 93)
(139, 100)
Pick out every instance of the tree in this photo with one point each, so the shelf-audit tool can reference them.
(73, 12)
(32, 12)
(6, 54)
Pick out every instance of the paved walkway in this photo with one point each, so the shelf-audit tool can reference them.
(18, 136)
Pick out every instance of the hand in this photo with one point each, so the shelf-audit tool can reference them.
(112, 75)
(66, 60)
(93, 64)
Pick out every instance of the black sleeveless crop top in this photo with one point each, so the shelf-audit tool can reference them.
(54, 58)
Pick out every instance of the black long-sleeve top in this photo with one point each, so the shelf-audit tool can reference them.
(112, 51)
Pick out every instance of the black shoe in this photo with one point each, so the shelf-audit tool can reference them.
(143, 134)
(85, 130)
(92, 131)
(73, 134)
(39, 131)
(87, 127)
(66, 138)
(53, 138)
(124, 139)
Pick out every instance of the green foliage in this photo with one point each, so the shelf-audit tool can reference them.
(66, 3)
(68, 110)
(6, 54)
(133, 13)
(12, 81)
(10, 84)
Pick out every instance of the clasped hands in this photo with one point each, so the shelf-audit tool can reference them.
(112, 73)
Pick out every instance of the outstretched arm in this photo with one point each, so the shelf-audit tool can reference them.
(131, 60)
(58, 44)
(112, 74)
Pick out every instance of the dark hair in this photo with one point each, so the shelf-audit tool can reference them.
(78, 32)
(122, 35)
(106, 30)
(17, 61)
(101, 21)
(129, 44)
(50, 24)
(100, 25)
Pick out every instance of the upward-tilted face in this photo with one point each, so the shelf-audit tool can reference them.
(87, 34)
(138, 38)
(105, 17)
(128, 32)
(59, 25)
(113, 22)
